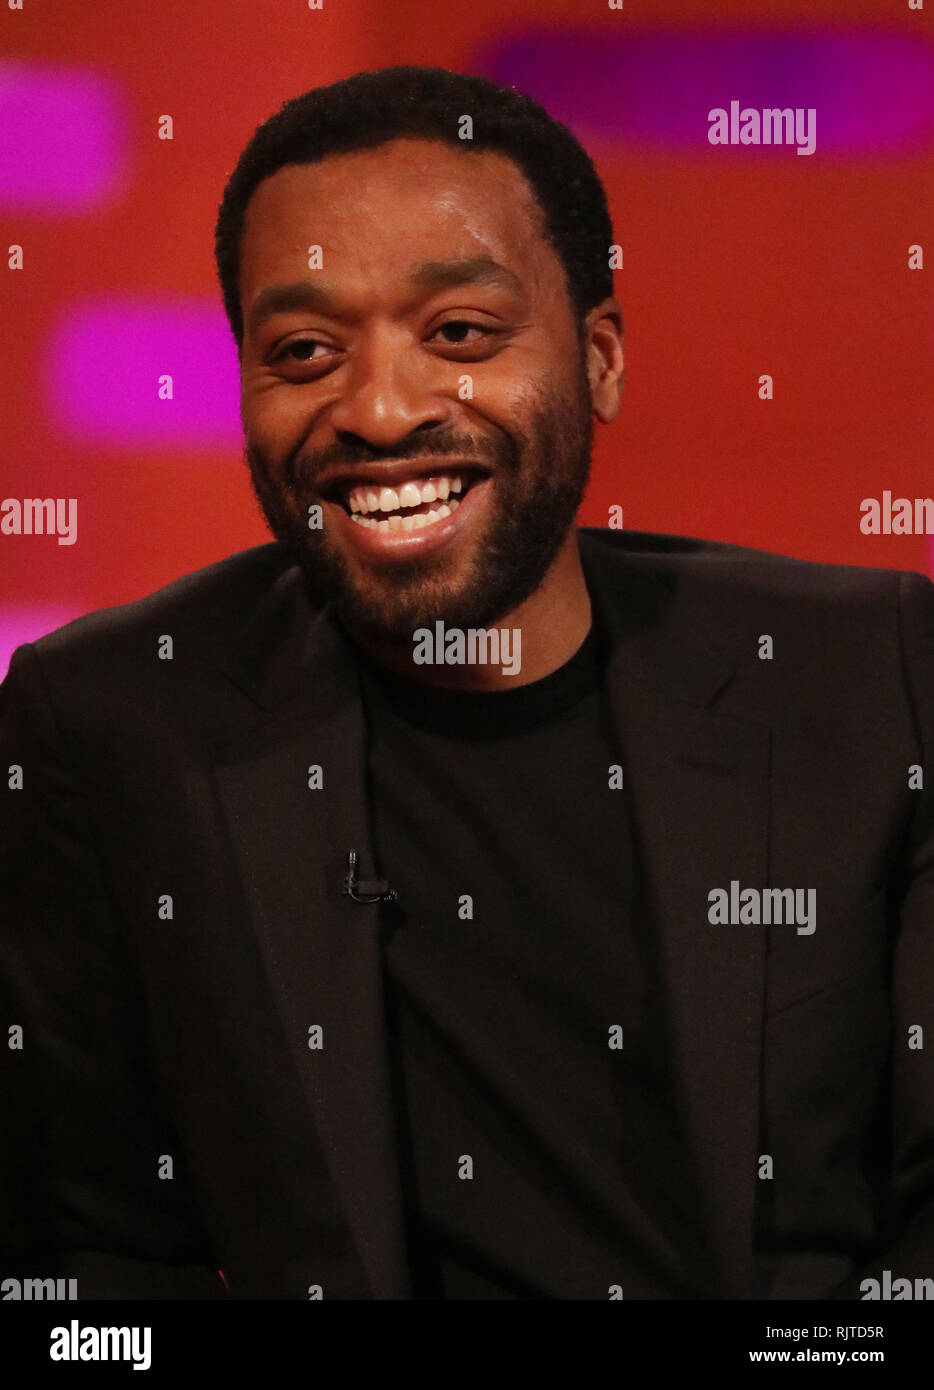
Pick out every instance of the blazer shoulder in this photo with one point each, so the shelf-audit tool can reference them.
(206, 604)
(687, 561)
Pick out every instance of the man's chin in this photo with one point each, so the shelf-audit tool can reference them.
(474, 587)
(384, 613)
(393, 619)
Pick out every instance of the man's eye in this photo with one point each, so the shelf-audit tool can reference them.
(301, 343)
(459, 328)
(456, 333)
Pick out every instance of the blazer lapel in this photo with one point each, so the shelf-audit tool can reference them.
(698, 791)
(321, 949)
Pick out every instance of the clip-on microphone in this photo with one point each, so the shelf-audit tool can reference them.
(373, 890)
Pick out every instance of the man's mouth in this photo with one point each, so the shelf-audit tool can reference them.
(409, 505)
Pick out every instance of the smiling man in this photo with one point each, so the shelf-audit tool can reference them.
(431, 387)
(354, 975)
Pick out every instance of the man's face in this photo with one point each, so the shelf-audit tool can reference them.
(436, 341)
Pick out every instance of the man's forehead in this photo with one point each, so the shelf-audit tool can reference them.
(426, 187)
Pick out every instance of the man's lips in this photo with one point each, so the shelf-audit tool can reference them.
(383, 544)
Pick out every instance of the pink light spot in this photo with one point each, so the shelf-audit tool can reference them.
(64, 138)
(111, 362)
(28, 624)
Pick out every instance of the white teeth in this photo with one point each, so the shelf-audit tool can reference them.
(411, 494)
(412, 522)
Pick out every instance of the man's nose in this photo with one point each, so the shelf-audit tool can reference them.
(387, 393)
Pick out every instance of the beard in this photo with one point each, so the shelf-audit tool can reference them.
(539, 473)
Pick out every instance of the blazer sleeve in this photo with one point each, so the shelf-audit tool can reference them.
(910, 1253)
(83, 1125)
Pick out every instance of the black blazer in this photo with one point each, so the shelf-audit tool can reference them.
(165, 1118)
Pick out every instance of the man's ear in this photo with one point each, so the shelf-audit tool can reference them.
(603, 336)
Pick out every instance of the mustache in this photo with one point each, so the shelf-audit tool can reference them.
(353, 453)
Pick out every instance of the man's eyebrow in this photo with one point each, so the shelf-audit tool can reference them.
(283, 299)
(474, 270)
(430, 275)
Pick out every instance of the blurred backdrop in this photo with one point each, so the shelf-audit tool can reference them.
(738, 261)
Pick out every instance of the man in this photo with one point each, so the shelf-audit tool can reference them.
(595, 963)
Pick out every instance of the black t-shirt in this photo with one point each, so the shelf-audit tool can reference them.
(538, 1160)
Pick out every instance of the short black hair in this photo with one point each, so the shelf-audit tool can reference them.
(371, 108)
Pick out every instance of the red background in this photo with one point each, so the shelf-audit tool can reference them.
(731, 270)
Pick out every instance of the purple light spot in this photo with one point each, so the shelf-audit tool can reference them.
(64, 138)
(106, 359)
(872, 91)
(28, 624)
